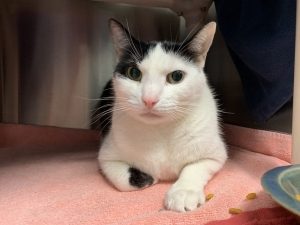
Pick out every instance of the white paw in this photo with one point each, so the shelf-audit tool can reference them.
(182, 200)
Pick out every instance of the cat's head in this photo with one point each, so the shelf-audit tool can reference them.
(159, 81)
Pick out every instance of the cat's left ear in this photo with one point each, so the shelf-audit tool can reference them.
(201, 42)
(121, 37)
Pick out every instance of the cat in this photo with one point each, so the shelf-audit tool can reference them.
(163, 118)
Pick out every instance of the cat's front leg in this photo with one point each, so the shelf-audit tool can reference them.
(187, 193)
(124, 177)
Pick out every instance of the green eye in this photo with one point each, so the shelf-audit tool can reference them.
(134, 73)
(175, 77)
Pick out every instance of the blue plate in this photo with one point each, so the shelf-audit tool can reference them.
(283, 184)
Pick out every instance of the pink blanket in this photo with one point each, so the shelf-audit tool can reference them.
(57, 182)
(266, 216)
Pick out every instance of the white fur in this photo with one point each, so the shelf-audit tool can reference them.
(167, 144)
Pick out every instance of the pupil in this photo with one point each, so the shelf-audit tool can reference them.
(177, 76)
(134, 73)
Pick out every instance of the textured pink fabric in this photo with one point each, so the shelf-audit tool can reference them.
(261, 141)
(65, 186)
(13, 135)
(266, 216)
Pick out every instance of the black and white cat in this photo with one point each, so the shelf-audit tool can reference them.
(164, 122)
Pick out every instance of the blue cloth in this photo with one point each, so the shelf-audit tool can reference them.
(260, 35)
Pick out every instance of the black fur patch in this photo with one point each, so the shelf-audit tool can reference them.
(101, 118)
(139, 179)
(180, 49)
(133, 55)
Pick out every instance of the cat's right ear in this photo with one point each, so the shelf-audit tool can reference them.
(120, 36)
(201, 42)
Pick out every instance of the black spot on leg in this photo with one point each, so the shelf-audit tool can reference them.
(138, 178)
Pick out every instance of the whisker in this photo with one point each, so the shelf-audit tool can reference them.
(183, 42)
(110, 110)
(108, 119)
(101, 107)
(103, 126)
(171, 32)
(140, 46)
(221, 111)
(132, 44)
(96, 118)
(130, 52)
(113, 97)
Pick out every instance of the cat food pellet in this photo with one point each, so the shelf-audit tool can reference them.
(297, 197)
(209, 196)
(235, 211)
(251, 196)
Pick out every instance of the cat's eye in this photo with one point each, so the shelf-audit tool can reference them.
(175, 77)
(134, 73)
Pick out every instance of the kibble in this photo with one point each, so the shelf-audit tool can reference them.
(251, 196)
(209, 197)
(235, 211)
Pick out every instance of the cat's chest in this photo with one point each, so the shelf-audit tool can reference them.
(161, 151)
(163, 154)
(158, 162)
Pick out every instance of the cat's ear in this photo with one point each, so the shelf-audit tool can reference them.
(120, 36)
(201, 42)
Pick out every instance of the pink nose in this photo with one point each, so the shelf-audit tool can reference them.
(149, 102)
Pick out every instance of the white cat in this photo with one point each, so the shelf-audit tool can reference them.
(164, 123)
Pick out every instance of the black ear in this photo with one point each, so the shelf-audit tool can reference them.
(202, 41)
(120, 36)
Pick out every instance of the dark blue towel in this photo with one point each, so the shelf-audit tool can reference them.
(260, 35)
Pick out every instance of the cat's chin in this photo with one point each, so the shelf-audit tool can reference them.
(152, 118)
(151, 115)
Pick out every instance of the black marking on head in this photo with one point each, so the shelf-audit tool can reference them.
(133, 55)
(180, 49)
(194, 48)
(129, 58)
(136, 52)
(139, 179)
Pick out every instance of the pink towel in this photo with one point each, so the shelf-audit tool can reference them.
(267, 216)
(58, 182)
(270, 143)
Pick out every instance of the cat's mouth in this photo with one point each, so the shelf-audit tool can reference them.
(150, 115)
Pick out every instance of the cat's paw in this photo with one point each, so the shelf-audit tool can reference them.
(182, 200)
